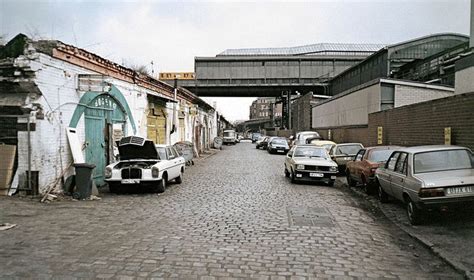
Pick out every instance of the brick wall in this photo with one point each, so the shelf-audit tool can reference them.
(357, 134)
(424, 123)
(301, 113)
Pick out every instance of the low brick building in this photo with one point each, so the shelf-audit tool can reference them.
(51, 92)
(344, 118)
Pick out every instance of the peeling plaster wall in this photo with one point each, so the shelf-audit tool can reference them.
(57, 80)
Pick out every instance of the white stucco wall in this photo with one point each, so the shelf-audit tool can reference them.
(464, 80)
(57, 81)
(351, 109)
(406, 95)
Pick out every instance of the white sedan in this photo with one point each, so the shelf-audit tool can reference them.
(144, 163)
(310, 163)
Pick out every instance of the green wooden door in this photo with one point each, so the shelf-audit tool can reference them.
(101, 111)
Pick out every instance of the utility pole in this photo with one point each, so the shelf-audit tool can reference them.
(289, 109)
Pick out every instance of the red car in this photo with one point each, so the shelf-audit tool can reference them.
(362, 168)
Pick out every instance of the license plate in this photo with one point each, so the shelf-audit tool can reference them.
(130, 181)
(347, 158)
(319, 175)
(280, 151)
(460, 190)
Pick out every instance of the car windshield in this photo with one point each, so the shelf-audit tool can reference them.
(348, 149)
(279, 141)
(309, 135)
(379, 155)
(161, 152)
(229, 134)
(442, 161)
(327, 146)
(310, 152)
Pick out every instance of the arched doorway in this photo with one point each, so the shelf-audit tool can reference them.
(100, 116)
(102, 111)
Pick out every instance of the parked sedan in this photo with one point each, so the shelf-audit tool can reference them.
(258, 143)
(301, 137)
(264, 143)
(310, 163)
(427, 178)
(342, 153)
(278, 145)
(321, 143)
(362, 168)
(144, 164)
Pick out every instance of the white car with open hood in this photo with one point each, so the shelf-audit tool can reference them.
(144, 163)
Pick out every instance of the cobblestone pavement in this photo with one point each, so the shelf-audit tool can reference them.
(234, 216)
(450, 234)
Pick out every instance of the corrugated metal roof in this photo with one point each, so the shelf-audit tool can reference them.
(304, 50)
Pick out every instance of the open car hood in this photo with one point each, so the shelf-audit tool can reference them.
(134, 147)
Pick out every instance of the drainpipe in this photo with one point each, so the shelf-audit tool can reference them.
(29, 154)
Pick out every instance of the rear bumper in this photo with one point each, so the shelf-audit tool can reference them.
(277, 150)
(446, 202)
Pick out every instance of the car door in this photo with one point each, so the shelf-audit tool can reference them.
(385, 176)
(357, 165)
(399, 177)
(173, 169)
(179, 159)
(288, 159)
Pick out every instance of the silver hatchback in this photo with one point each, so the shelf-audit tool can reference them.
(427, 177)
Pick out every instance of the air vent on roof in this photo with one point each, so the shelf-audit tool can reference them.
(134, 140)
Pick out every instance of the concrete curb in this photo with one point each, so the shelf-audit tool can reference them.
(208, 155)
(423, 241)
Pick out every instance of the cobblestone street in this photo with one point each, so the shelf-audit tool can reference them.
(235, 215)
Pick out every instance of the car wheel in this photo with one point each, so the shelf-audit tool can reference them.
(331, 183)
(179, 179)
(414, 214)
(287, 174)
(383, 196)
(350, 181)
(368, 188)
(114, 188)
(293, 177)
(161, 186)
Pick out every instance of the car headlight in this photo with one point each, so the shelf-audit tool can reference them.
(108, 172)
(333, 168)
(300, 166)
(155, 172)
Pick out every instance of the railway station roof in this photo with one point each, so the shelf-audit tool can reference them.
(314, 49)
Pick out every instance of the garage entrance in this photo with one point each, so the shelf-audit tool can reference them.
(156, 124)
(100, 116)
(104, 113)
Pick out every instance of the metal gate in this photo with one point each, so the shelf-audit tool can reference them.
(101, 112)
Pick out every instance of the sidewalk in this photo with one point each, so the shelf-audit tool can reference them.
(449, 236)
(204, 155)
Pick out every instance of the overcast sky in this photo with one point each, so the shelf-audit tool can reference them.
(172, 33)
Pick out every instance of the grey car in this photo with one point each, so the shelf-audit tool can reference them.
(427, 178)
(342, 153)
